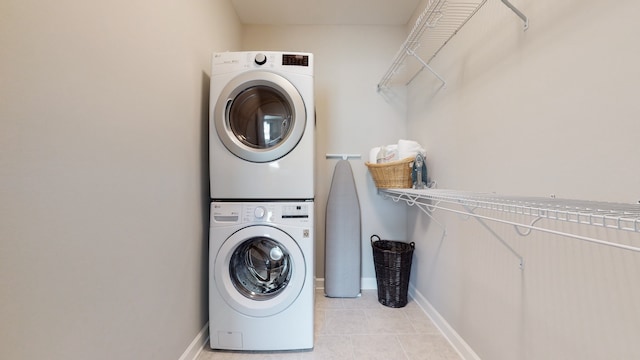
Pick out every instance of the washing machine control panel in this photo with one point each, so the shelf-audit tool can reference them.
(260, 212)
(226, 213)
(300, 211)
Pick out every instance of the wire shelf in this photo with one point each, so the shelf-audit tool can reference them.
(443, 18)
(617, 216)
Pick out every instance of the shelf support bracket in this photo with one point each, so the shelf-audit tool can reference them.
(517, 12)
(426, 209)
(424, 65)
(515, 253)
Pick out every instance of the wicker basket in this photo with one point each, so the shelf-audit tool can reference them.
(395, 174)
(392, 260)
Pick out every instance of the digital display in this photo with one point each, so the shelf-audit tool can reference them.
(295, 60)
(295, 212)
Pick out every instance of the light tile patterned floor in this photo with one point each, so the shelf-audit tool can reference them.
(361, 328)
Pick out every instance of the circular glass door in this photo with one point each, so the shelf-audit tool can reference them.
(259, 270)
(260, 116)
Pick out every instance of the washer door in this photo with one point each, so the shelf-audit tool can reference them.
(260, 116)
(259, 270)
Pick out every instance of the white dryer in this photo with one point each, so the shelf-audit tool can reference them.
(261, 290)
(261, 126)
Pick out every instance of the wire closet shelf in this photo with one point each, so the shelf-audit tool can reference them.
(443, 18)
(617, 216)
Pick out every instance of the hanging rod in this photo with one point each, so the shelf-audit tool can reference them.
(625, 217)
(343, 156)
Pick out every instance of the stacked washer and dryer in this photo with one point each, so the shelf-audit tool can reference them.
(261, 240)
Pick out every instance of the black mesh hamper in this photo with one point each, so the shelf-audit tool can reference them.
(392, 260)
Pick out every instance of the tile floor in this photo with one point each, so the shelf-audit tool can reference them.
(361, 328)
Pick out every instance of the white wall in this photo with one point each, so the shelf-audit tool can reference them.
(552, 110)
(351, 117)
(104, 175)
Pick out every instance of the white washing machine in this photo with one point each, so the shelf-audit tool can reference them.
(261, 290)
(261, 126)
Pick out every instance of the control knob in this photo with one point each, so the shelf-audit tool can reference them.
(259, 212)
(260, 59)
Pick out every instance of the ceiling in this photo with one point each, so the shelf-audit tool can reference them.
(325, 12)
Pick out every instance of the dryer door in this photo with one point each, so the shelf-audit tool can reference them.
(259, 270)
(260, 116)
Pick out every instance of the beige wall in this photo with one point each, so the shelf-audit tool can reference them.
(103, 170)
(351, 117)
(552, 110)
(104, 175)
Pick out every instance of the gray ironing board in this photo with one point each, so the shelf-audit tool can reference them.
(342, 235)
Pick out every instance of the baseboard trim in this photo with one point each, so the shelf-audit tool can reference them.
(458, 343)
(197, 344)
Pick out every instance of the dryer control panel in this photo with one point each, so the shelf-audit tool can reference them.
(287, 59)
(287, 62)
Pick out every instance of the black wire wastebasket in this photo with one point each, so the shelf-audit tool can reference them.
(392, 260)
